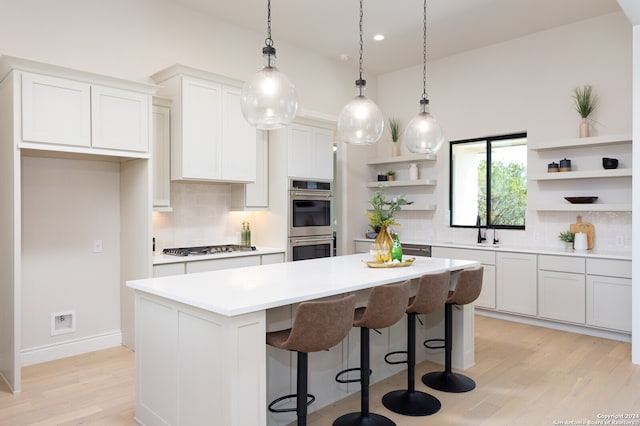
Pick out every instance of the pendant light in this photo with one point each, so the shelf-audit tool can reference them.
(269, 99)
(360, 121)
(423, 134)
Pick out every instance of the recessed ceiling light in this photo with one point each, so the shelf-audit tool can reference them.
(378, 37)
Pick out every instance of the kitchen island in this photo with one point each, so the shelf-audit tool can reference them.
(200, 338)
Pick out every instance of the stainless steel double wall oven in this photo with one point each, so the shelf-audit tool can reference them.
(310, 217)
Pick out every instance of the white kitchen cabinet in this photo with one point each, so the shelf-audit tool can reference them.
(254, 196)
(119, 119)
(310, 152)
(210, 140)
(363, 247)
(55, 110)
(219, 264)
(487, 259)
(168, 269)
(269, 259)
(561, 288)
(609, 294)
(516, 283)
(160, 155)
(60, 111)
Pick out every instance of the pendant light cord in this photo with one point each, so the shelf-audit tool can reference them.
(424, 52)
(360, 64)
(268, 41)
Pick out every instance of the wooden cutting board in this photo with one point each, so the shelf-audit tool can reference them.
(584, 227)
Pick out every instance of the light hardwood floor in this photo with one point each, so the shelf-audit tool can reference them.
(525, 375)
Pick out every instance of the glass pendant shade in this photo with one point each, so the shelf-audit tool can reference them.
(423, 134)
(269, 99)
(360, 122)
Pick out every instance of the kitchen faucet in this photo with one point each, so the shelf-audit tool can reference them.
(495, 239)
(480, 237)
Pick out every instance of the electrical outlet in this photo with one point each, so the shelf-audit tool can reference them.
(536, 236)
(620, 240)
(97, 246)
(63, 322)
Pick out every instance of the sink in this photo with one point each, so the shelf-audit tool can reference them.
(474, 245)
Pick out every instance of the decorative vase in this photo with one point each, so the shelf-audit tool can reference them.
(395, 149)
(584, 128)
(391, 178)
(382, 245)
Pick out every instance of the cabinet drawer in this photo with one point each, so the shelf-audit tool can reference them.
(219, 264)
(167, 269)
(562, 264)
(363, 246)
(609, 268)
(268, 259)
(487, 257)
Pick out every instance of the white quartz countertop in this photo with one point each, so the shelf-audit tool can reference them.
(160, 258)
(238, 291)
(595, 253)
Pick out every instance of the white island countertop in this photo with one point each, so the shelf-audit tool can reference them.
(239, 291)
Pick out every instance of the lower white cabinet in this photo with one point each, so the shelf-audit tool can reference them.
(609, 296)
(168, 269)
(561, 296)
(516, 276)
(487, 259)
(179, 268)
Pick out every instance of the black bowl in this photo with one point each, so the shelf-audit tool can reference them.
(609, 163)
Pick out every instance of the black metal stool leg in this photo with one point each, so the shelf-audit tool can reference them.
(364, 417)
(448, 381)
(411, 402)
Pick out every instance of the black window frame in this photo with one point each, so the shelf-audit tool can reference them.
(486, 220)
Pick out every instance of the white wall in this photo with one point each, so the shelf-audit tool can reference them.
(524, 84)
(68, 204)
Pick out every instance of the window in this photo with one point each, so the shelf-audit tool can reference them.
(489, 180)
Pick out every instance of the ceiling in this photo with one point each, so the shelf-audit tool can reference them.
(330, 27)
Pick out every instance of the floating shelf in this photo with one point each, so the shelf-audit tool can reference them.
(416, 207)
(584, 174)
(586, 208)
(581, 142)
(398, 183)
(403, 159)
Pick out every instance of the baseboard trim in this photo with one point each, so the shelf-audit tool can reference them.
(70, 348)
(573, 328)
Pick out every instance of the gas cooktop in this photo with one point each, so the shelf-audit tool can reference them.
(195, 251)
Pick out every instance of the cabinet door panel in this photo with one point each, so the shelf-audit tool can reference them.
(561, 296)
(238, 142)
(322, 156)
(609, 302)
(119, 119)
(55, 110)
(487, 298)
(160, 156)
(517, 283)
(201, 130)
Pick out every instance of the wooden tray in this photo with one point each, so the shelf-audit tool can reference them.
(406, 262)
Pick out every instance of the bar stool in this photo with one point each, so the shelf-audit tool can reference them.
(385, 307)
(431, 295)
(468, 287)
(317, 326)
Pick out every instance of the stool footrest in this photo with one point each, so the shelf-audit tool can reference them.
(427, 344)
(310, 399)
(404, 361)
(350, 370)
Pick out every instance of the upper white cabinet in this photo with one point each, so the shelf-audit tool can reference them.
(210, 140)
(161, 139)
(91, 117)
(254, 196)
(310, 152)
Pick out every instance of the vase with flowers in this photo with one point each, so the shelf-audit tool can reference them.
(380, 218)
(394, 128)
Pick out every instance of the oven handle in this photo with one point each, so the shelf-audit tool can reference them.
(323, 194)
(311, 240)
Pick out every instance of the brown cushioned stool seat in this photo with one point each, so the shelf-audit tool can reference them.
(386, 306)
(317, 326)
(431, 295)
(467, 290)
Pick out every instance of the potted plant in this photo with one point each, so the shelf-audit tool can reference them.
(394, 127)
(585, 103)
(391, 175)
(568, 237)
(380, 218)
